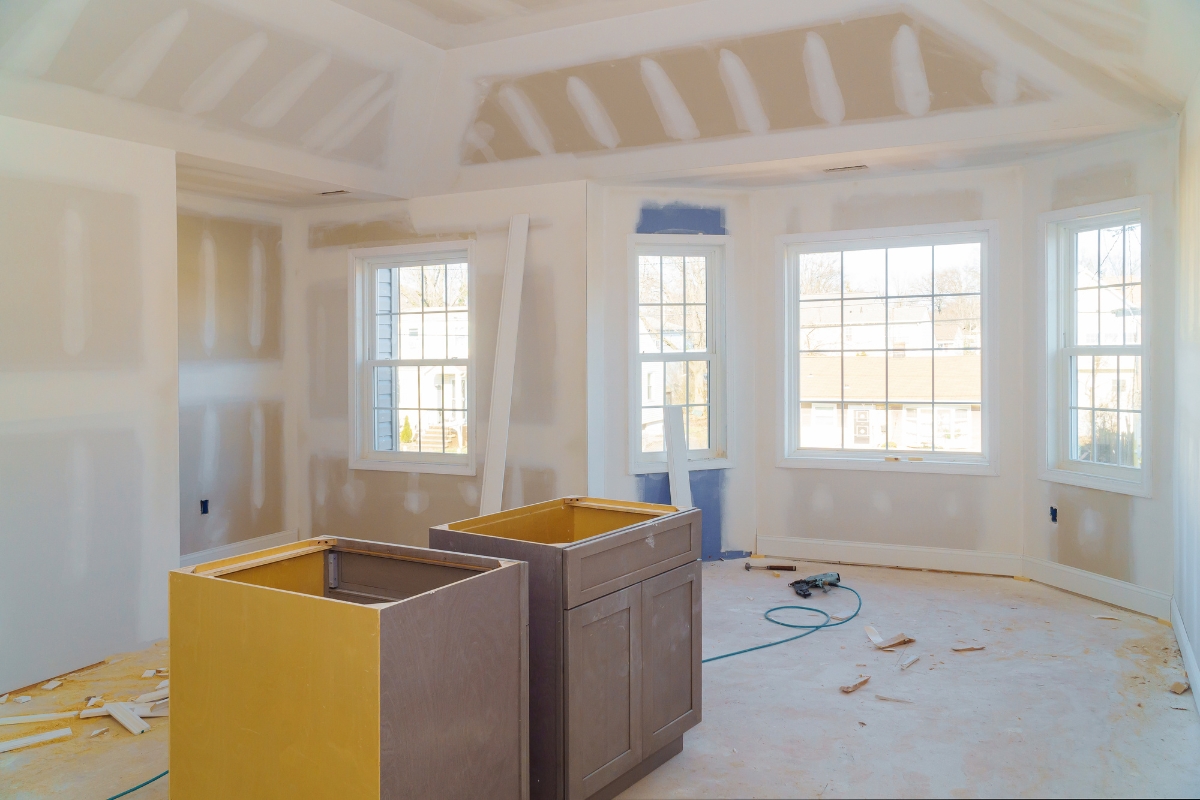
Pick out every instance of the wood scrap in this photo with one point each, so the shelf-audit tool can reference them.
(95, 700)
(150, 673)
(884, 644)
(37, 738)
(1106, 616)
(157, 710)
(123, 714)
(141, 709)
(4, 698)
(22, 699)
(908, 662)
(37, 718)
(97, 732)
(967, 648)
(1179, 687)
(836, 618)
(164, 684)
(856, 685)
(48, 685)
(150, 697)
(892, 699)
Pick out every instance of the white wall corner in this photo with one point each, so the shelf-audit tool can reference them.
(238, 548)
(1186, 650)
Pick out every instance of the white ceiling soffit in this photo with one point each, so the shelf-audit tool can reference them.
(300, 86)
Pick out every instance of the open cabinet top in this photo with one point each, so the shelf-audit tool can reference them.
(563, 521)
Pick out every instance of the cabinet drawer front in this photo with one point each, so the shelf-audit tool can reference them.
(604, 691)
(671, 652)
(599, 566)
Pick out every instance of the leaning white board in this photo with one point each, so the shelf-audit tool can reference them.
(506, 361)
(677, 464)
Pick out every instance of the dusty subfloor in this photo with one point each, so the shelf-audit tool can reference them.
(1058, 704)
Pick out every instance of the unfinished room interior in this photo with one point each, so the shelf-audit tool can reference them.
(583, 399)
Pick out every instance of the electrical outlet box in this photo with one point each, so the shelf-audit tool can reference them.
(203, 506)
(1054, 514)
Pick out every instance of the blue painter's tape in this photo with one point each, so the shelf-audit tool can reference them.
(681, 218)
(707, 495)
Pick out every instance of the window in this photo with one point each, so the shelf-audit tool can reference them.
(1097, 373)
(885, 349)
(677, 344)
(412, 391)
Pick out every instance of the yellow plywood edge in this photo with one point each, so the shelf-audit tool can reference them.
(275, 694)
(563, 521)
(304, 574)
(266, 556)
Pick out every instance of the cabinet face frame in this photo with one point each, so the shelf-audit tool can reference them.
(686, 576)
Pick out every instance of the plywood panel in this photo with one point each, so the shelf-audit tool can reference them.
(304, 574)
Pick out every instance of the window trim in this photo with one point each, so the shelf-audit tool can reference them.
(1054, 230)
(719, 249)
(788, 453)
(362, 261)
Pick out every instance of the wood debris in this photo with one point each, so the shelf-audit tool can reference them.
(97, 732)
(38, 738)
(892, 699)
(4, 698)
(908, 662)
(162, 671)
(164, 684)
(150, 697)
(37, 718)
(51, 685)
(966, 648)
(884, 644)
(836, 618)
(1106, 616)
(123, 714)
(1179, 687)
(150, 673)
(22, 699)
(94, 700)
(856, 685)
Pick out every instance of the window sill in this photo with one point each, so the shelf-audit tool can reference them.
(694, 465)
(431, 467)
(878, 463)
(1104, 483)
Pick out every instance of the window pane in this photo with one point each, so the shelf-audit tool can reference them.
(957, 376)
(435, 287)
(652, 430)
(672, 328)
(649, 280)
(820, 376)
(454, 387)
(1131, 439)
(410, 336)
(864, 273)
(652, 383)
(410, 288)
(910, 324)
(1133, 253)
(910, 270)
(407, 394)
(410, 423)
(864, 322)
(910, 427)
(675, 385)
(1083, 435)
(1104, 386)
(820, 325)
(865, 376)
(1112, 316)
(956, 268)
(1087, 321)
(1106, 437)
(672, 279)
(1112, 252)
(821, 425)
(456, 286)
(697, 382)
(697, 427)
(1129, 388)
(1083, 382)
(1133, 314)
(958, 428)
(1086, 255)
(696, 289)
(456, 432)
(956, 321)
(650, 329)
(431, 387)
(820, 275)
(432, 432)
(385, 438)
(457, 335)
(910, 375)
(435, 335)
(696, 327)
(865, 427)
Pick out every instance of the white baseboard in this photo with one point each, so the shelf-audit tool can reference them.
(1089, 584)
(238, 548)
(890, 555)
(1185, 649)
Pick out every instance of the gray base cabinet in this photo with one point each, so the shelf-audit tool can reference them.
(614, 635)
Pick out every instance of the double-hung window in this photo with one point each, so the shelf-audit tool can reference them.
(885, 346)
(1097, 371)
(677, 347)
(412, 382)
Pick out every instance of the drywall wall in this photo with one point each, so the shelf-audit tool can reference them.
(966, 512)
(88, 403)
(1120, 536)
(232, 470)
(546, 447)
(1186, 433)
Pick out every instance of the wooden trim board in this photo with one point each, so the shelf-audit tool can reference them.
(1098, 587)
(238, 548)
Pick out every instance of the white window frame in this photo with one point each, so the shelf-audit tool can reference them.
(1057, 250)
(789, 454)
(719, 251)
(363, 262)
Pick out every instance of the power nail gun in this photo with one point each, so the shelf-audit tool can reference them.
(824, 581)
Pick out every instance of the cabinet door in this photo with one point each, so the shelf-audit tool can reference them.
(604, 690)
(671, 640)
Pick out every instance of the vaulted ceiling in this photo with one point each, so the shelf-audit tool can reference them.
(406, 97)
